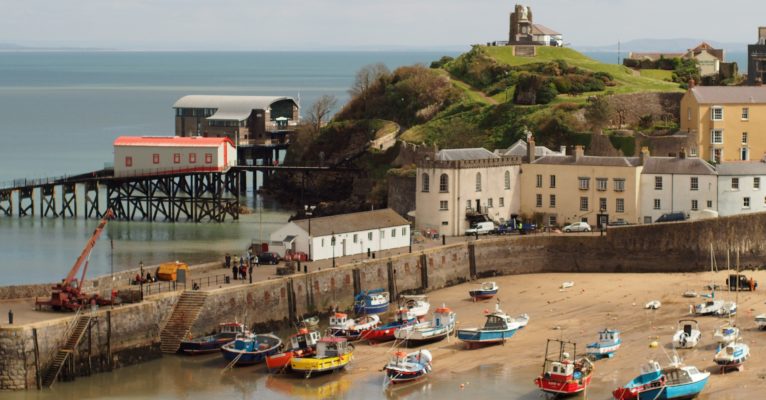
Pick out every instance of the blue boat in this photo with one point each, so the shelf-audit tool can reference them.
(673, 382)
(485, 291)
(249, 348)
(608, 343)
(227, 332)
(371, 302)
(497, 328)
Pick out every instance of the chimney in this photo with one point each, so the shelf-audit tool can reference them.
(644, 156)
(692, 83)
(579, 152)
(531, 148)
(682, 153)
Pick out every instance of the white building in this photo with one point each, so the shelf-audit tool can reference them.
(676, 184)
(464, 184)
(545, 36)
(353, 233)
(740, 188)
(151, 155)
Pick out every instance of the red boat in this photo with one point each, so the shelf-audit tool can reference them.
(561, 374)
(384, 333)
(302, 344)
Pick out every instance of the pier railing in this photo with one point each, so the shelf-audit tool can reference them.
(172, 286)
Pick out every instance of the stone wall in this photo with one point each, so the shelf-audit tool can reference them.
(632, 106)
(401, 193)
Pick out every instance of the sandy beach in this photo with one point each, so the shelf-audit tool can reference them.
(595, 302)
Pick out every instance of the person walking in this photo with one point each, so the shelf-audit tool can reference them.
(227, 261)
(257, 262)
(234, 270)
(251, 272)
(241, 260)
(243, 271)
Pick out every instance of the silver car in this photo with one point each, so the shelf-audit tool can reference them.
(577, 227)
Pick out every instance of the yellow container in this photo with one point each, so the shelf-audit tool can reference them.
(169, 271)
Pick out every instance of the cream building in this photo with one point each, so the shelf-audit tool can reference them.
(728, 122)
(741, 188)
(566, 189)
(463, 185)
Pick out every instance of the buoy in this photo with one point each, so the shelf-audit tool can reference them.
(486, 311)
(653, 344)
(462, 386)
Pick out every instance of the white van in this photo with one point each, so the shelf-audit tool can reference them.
(482, 228)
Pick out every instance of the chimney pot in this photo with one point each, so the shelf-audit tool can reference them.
(579, 152)
(531, 148)
(644, 155)
(682, 153)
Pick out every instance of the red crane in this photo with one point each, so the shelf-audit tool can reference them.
(68, 294)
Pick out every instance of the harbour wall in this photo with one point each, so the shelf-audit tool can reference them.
(135, 329)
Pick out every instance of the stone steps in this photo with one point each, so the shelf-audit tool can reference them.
(179, 323)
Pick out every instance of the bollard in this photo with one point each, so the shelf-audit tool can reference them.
(10, 317)
(444, 240)
(368, 252)
(306, 268)
(373, 256)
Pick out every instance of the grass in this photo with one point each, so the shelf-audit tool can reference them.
(471, 92)
(660, 74)
(386, 128)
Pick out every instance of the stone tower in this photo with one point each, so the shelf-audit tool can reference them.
(521, 25)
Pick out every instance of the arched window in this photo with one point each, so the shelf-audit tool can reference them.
(507, 180)
(426, 183)
(444, 183)
(478, 181)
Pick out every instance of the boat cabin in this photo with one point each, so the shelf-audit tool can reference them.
(561, 371)
(496, 322)
(608, 336)
(442, 316)
(338, 319)
(231, 327)
(405, 315)
(679, 376)
(332, 347)
(304, 339)
(488, 286)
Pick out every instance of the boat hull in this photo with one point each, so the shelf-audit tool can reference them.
(600, 351)
(401, 376)
(563, 388)
(482, 294)
(281, 361)
(309, 366)
(479, 337)
(194, 347)
(371, 309)
(247, 358)
(663, 392)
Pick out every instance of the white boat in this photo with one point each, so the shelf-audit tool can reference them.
(417, 304)
(608, 343)
(521, 319)
(567, 284)
(343, 326)
(653, 305)
(709, 307)
(733, 355)
(439, 328)
(729, 308)
(690, 293)
(688, 334)
(726, 334)
(403, 367)
(760, 320)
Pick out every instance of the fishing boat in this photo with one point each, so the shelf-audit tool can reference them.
(371, 302)
(728, 309)
(332, 353)
(709, 307)
(732, 356)
(403, 367)
(440, 327)
(673, 382)
(562, 375)
(343, 326)
(417, 304)
(249, 348)
(608, 343)
(688, 334)
(486, 290)
(227, 332)
(760, 321)
(497, 328)
(300, 344)
(726, 334)
(386, 332)
(521, 319)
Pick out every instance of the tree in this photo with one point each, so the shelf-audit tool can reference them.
(365, 78)
(598, 112)
(320, 110)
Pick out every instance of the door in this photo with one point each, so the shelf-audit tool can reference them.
(478, 205)
(343, 243)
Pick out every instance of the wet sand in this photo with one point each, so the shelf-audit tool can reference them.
(595, 302)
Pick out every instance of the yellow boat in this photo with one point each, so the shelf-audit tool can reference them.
(333, 353)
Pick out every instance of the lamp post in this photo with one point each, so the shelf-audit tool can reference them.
(332, 243)
(141, 279)
(602, 220)
(309, 211)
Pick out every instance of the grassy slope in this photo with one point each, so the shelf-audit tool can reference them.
(471, 92)
(660, 74)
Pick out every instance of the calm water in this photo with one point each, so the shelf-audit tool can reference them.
(60, 113)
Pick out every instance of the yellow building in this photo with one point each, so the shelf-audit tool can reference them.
(566, 189)
(728, 123)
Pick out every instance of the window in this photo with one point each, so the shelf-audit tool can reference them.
(501, 202)
(716, 136)
(393, 233)
(647, 220)
(601, 184)
(620, 205)
(619, 185)
(584, 183)
(552, 201)
(602, 204)
(693, 152)
(710, 204)
(745, 113)
(583, 204)
(355, 237)
(404, 231)
(443, 204)
(369, 235)
(539, 181)
(322, 243)
(694, 205)
(208, 158)
(657, 204)
(155, 158)
(507, 180)
(468, 204)
(553, 181)
(756, 183)
(177, 158)
(734, 183)
(744, 137)
(744, 154)
(717, 153)
(694, 183)
(128, 161)
(443, 183)
(445, 223)
(382, 234)
(489, 202)
(716, 113)
(478, 182)
(425, 183)
(745, 202)
(538, 200)
(657, 183)
(552, 220)
(192, 158)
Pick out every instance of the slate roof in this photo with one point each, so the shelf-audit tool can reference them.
(538, 29)
(741, 168)
(729, 94)
(353, 222)
(590, 160)
(479, 153)
(675, 165)
(520, 149)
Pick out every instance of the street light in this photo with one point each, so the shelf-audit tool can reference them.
(309, 211)
(141, 279)
(332, 243)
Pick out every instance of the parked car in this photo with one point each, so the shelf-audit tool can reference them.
(269, 258)
(577, 227)
(481, 228)
(505, 228)
(740, 282)
(671, 217)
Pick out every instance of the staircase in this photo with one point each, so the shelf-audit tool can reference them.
(184, 314)
(75, 332)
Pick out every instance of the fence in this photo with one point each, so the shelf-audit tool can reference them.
(195, 284)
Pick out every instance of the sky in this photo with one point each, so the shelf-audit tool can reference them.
(359, 24)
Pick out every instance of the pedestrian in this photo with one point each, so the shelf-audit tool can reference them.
(251, 272)
(234, 270)
(521, 227)
(227, 261)
(148, 277)
(241, 260)
(257, 262)
(243, 271)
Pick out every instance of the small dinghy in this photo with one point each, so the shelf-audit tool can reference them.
(417, 304)
(301, 344)
(227, 332)
(710, 307)
(653, 305)
(343, 326)
(726, 334)
(497, 328)
(567, 285)
(760, 321)
(563, 375)
(521, 319)
(688, 334)
(487, 290)
(249, 348)
(608, 343)
(673, 382)
(732, 356)
(371, 302)
(403, 367)
(440, 327)
(690, 293)
(332, 354)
